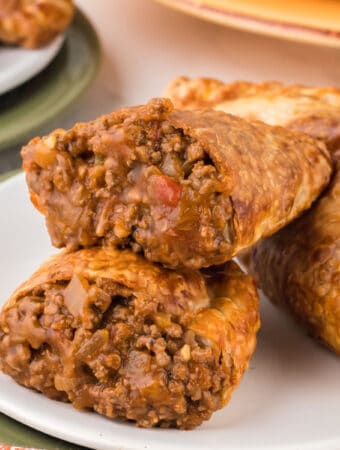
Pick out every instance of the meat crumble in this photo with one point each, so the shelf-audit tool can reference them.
(129, 185)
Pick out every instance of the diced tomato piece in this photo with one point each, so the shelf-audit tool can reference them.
(165, 190)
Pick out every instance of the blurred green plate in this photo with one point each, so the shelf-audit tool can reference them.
(24, 110)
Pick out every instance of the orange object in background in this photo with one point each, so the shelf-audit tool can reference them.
(314, 21)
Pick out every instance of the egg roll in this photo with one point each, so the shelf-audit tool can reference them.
(299, 267)
(107, 330)
(33, 23)
(311, 110)
(185, 188)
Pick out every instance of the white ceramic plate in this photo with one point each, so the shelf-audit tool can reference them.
(289, 399)
(18, 65)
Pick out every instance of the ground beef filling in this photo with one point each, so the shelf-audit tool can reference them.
(147, 186)
(102, 347)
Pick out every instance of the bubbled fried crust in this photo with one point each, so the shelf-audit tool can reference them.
(312, 110)
(158, 347)
(299, 267)
(33, 23)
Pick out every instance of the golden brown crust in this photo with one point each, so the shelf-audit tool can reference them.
(299, 267)
(122, 266)
(107, 330)
(250, 181)
(33, 23)
(267, 168)
(312, 110)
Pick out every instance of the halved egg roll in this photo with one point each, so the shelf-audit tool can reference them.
(299, 267)
(33, 23)
(107, 330)
(187, 188)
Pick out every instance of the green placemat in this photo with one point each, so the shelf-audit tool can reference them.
(14, 433)
(6, 175)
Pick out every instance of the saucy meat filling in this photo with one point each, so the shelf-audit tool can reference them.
(128, 185)
(102, 347)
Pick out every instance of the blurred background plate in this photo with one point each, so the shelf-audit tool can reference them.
(18, 65)
(33, 104)
(312, 21)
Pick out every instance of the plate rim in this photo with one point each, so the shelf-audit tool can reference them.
(259, 25)
(54, 48)
(78, 89)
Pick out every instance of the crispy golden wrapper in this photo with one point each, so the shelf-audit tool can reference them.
(33, 23)
(312, 110)
(188, 188)
(107, 330)
(299, 267)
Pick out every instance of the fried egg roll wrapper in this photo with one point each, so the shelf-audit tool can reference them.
(299, 267)
(109, 331)
(33, 23)
(312, 110)
(187, 188)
